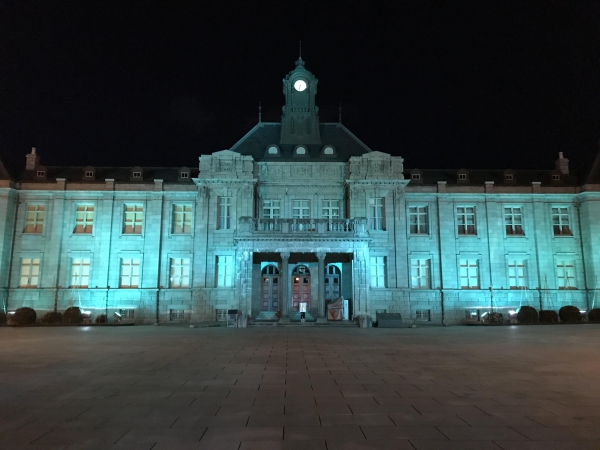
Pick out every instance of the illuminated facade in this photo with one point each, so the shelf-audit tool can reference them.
(297, 211)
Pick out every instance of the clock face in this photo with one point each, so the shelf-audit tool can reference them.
(300, 85)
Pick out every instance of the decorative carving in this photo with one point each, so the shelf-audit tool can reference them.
(329, 171)
(285, 255)
(301, 171)
(263, 170)
(321, 255)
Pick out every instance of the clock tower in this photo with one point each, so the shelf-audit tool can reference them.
(300, 119)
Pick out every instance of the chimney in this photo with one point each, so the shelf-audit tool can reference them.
(32, 160)
(562, 164)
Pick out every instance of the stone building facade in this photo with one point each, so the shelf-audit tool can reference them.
(297, 212)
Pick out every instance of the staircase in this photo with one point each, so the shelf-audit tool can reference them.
(295, 317)
(266, 316)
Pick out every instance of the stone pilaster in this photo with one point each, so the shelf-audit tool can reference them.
(321, 281)
(285, 282)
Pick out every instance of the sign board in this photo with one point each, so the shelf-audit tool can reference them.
(303, 307)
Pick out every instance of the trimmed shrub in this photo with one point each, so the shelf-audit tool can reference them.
(101, 318)
(527, 314)
(494, 318)
(594, 315)
(72, 315)
(23, 316)
(570, 314)
(2, 317)
(548, 316)
(52, 317)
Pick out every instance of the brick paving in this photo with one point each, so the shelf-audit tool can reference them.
(429, 388)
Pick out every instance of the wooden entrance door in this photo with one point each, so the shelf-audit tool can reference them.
(300, 287)
(269, 291)
(332, 282)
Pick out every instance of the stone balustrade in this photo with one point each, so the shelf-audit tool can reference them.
(327, 227)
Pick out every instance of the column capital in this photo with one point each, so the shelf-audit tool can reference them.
(285, 255)
(321, 255)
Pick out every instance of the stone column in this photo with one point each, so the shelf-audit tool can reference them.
(285, 283)
(321, 281)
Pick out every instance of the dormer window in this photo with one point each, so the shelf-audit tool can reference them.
(555, 177)
(301, 151)
(329, 151)
(184, 175)
(415, 176)
(41, 173)
(272, 150)
(89, 173)
(462, 177)
(508, 177)
(136, 174)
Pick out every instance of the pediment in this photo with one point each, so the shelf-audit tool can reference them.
(226, 153)
(376, 155)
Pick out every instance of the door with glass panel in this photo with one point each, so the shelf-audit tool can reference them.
(332, 281)
(269, 294)
(300, 287)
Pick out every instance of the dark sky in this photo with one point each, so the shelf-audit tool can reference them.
(491, 84)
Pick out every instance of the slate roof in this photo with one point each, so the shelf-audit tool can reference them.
(120, 174)
(479, 177)
(265, 134)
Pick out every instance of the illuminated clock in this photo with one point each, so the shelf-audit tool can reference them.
(300, 85)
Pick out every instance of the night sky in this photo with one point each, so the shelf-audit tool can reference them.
(443, 84)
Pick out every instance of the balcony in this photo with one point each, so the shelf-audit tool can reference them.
(250, 226)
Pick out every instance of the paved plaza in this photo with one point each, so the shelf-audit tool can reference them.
(429, 388)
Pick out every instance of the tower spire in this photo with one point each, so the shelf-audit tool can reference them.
(259, 112)
(300, 52)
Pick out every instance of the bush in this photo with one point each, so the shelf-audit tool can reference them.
(527, 314)
(494, 318)
(594, 315)
(101, 318)
(72, 315)
(548, 316)
(23, 316)
(52, 317)
(2, 317)
(570, 314)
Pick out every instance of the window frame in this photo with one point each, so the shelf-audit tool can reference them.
(37, 223)
(417, 215)
(84, 268)
(560, 216)
(376, 223)
(469, 273)
(32, 274)
(513, 226)
(562, 263)
(224, 271)
(85, 218)
(378, 269)
(301, 208)
(519, 271)
(133, 227)
(269, 208)
(180, 272)
(328, 208)
(416, 275)
(465, 214)
(181, 222)
(224, 216)
(131, 275)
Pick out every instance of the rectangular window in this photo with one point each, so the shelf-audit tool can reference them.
(30, 272)
(330, 209)
(472, 315)
(80, 272)
(182, 219)
(420, 274)
(565, 274)
(517, 274)
(513, 221)
(180, 273)
(127, 314)
(301, 209)
(465, 217)
(84, 219)
(560, 221)
(177, 314)
(423, 315)
(376, 208)
(469, 274)
(34, 219)
(271, 209)
(224, 213)
(224, 271)
(378, 271)
(418, 218)
(130, 273)
(221, 315)
(134, 216)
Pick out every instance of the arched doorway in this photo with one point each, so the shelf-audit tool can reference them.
(300, 287)
(269, 290)
(333, 280)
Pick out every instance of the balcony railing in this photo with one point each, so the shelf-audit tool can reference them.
(347, 227)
